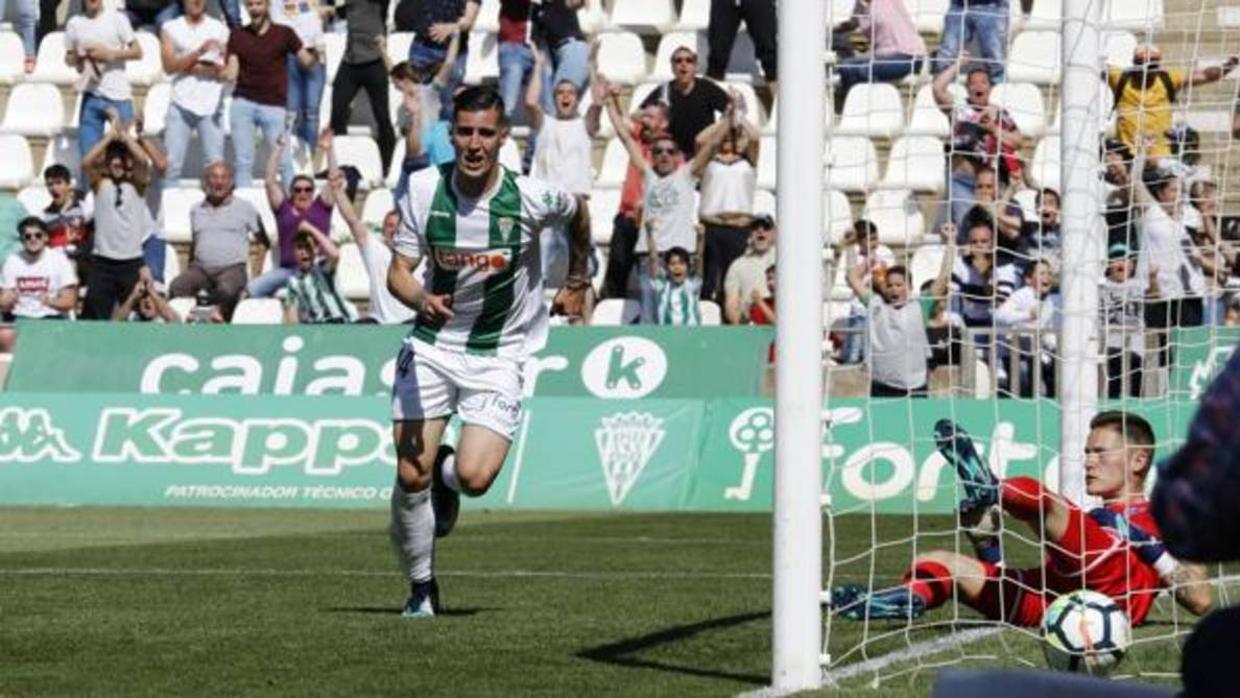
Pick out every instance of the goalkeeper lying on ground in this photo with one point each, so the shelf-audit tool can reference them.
(1113, 549)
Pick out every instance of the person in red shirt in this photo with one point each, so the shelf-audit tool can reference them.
(1113, 549)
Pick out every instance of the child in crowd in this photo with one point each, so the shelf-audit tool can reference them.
(674, 294)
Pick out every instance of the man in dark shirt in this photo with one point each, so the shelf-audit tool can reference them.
(363, 68)
(258, 66)
(725, 21)
(692, 101)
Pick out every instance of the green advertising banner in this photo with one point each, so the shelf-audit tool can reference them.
(1200, 353)
(569, 453)
(600, 362)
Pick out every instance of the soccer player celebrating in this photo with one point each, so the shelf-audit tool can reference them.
(1113, 549)
(480, 313)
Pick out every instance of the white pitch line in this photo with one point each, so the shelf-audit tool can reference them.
(914, 651)
(169, 572)
(519, 460)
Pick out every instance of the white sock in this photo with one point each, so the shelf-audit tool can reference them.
(447, 473)
(413, 532)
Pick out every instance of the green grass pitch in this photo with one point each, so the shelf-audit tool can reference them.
(241, 602)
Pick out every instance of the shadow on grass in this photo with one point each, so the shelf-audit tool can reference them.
(395, 611)
(622, 653)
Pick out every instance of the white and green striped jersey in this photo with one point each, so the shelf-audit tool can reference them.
(485, 252)
(677, 304)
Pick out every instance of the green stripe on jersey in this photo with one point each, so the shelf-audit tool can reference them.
(499, 290)
(440, 232)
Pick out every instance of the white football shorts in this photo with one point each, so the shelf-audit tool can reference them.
(430, 383)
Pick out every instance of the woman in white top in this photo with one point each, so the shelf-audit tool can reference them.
(728, 181)
(305, 85)
(562, 153)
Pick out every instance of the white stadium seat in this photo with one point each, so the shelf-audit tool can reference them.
(1046, 15)
(852, 163)
(1138, 15)
(1024, 102)
(668, 43)
(177, 202)
(12, 58)
(926, 118)
(34, 110)
(34, 198)
(897, 216)
(335, 45)
(155, 107)
(398, 44)
(147, 70)
(592, 17)
(19, 163)
(613, 312)
(1044, 170)
(1118, 48)
(622, 58)
(837, 217)
(257, 196)
(643, 16)
(352, 278)
(363, 153)
(712, 314)
(482, 61)
(63, 150)
(928, 14)
(615, 166)
(259, 311)
(50, 63)
(183, 305)
(872, 109)
(1034, 57)
(917, 163)
(694, 16)
(772, 120)
(924, 265)
(378, 203)
(603, 206)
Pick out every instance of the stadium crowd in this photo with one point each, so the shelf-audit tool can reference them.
(684, 221)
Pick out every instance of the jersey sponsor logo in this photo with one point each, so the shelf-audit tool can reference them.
(625, 442)
(476, 260)
(434, 213)
(624, 368)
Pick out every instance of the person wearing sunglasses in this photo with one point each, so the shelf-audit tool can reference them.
(36, 282)
(692, 101)
(119, 171)
(300, 205)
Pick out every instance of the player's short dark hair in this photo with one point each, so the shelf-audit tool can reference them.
(31, 222)
(480, 98)
(897, 269)
(1135, 429)
(676, 252)
(57, 171)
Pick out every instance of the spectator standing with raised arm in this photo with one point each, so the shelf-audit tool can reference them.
(746, 275)
(67, 218)
(300, 205)
(428, 141)
(984, 22)
(562, 155)
(692, 102)
(727, 190)
(98, 43)
(258, 64)
(363, 67)
(896, 49)
(1035, 313)
(675, 289)
(1123, 296)
(376, 251)
(119, 172)
(222, 226)
(725, 20)
(873, 259)
(557, 28)
(898, 345)
(668, 203)
(313, 298)
(305, 81)
(517, 65)
(434, 23)
(192, 50)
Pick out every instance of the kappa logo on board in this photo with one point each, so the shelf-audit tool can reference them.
(27, 436)
(626, 442)
(624, 368)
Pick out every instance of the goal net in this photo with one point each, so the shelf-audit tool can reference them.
(1159, 264)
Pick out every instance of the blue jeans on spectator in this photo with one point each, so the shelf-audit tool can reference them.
(266, 285)
(154, 255)
(246, 118)
(854, 339)
(93, 118)
(516, 62)
(569, 61)
(985, 24)
(888, 68)
(179, 126)
(230, 13)
(305, 94)
(426, 54)
(25, 21)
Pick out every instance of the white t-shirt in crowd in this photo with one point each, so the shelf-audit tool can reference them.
(727, 187)
(671, 203)
(899, 346)
(302, 16)
(383, 306)
(1165, 243)
(562, 154)
(108, 28)
(197, 95)
(746, 273)
(30, 280)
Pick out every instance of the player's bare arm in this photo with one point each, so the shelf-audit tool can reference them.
(405, 287)
(571, 298)
(1190, 583)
